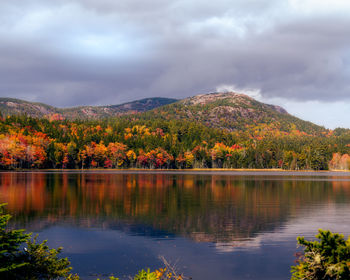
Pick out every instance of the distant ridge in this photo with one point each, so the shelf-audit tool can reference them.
(223, 110)
(12, 106)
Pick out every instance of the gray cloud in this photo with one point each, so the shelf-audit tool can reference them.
(70, 53)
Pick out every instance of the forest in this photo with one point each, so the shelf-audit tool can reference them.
(160, 143)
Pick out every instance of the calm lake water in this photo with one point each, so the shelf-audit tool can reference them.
(214, 225)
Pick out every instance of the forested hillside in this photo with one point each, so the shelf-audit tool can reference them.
(11, 106)
(186, 134)
(235, 112)
(40, 143)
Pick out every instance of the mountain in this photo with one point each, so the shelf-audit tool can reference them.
(234, 112)
(12, 106)
(228, 130)
(223, 110)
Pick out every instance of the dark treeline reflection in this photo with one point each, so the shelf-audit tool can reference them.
(212, 208)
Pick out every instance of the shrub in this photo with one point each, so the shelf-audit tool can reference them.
(326, 259)
(35, 261)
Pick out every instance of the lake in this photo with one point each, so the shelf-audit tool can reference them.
(213, 225)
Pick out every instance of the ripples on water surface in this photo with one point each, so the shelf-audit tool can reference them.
(215, 225)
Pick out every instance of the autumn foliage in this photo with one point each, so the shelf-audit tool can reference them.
(162, 144)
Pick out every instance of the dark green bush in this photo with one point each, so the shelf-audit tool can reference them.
(326, 259)
(34, 261)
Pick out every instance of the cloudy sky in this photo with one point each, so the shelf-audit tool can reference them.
(294, 53)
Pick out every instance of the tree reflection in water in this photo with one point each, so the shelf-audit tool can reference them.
(210, 208)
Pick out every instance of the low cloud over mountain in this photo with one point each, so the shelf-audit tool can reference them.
(106, 52)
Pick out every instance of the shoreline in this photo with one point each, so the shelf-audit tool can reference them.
(195, 171)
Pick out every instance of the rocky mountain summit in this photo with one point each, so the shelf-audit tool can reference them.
(235, 112)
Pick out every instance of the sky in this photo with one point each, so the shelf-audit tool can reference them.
(292, 53)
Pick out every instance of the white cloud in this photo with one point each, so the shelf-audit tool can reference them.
(129, 49)
(252, 92)
(320, 6)
(328, 114)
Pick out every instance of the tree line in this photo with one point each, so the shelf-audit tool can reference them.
(135, 142)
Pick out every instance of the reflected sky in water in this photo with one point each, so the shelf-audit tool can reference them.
(215, 226)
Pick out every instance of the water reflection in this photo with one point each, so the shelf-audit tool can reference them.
(234, 227)
(226, 210)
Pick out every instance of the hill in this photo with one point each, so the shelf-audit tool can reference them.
(217, 130)
(234, 112)
(12, 106)
(229, 111)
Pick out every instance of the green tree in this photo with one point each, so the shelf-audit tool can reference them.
(34, 261)
(326, 259)
(11, 259)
